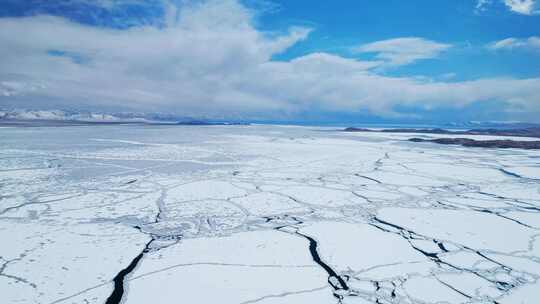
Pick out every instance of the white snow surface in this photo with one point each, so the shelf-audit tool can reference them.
(263, 214)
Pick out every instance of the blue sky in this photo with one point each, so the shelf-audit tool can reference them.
(322, 61)
(457, 22)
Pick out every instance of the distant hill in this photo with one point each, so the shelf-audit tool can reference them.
(467, 142)
(524, 132)
(59, 117)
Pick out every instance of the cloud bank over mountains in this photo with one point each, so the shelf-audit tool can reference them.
(208, 58)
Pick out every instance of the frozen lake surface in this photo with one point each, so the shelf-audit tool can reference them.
(263, 214)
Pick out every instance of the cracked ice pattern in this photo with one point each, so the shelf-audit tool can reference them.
(260, 214)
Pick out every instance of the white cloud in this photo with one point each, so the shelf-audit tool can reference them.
(402, 51)
(106, 4)
(532, 43)
(525, 7)
(481, 5)
(210, 60)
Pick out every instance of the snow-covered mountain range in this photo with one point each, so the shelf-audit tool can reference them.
(59, 115)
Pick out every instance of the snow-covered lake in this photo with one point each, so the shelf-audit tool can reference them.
(263, 214)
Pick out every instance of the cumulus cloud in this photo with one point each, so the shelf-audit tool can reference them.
(531, 43)
(400, 51)
(525, 7)
(210, 60)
